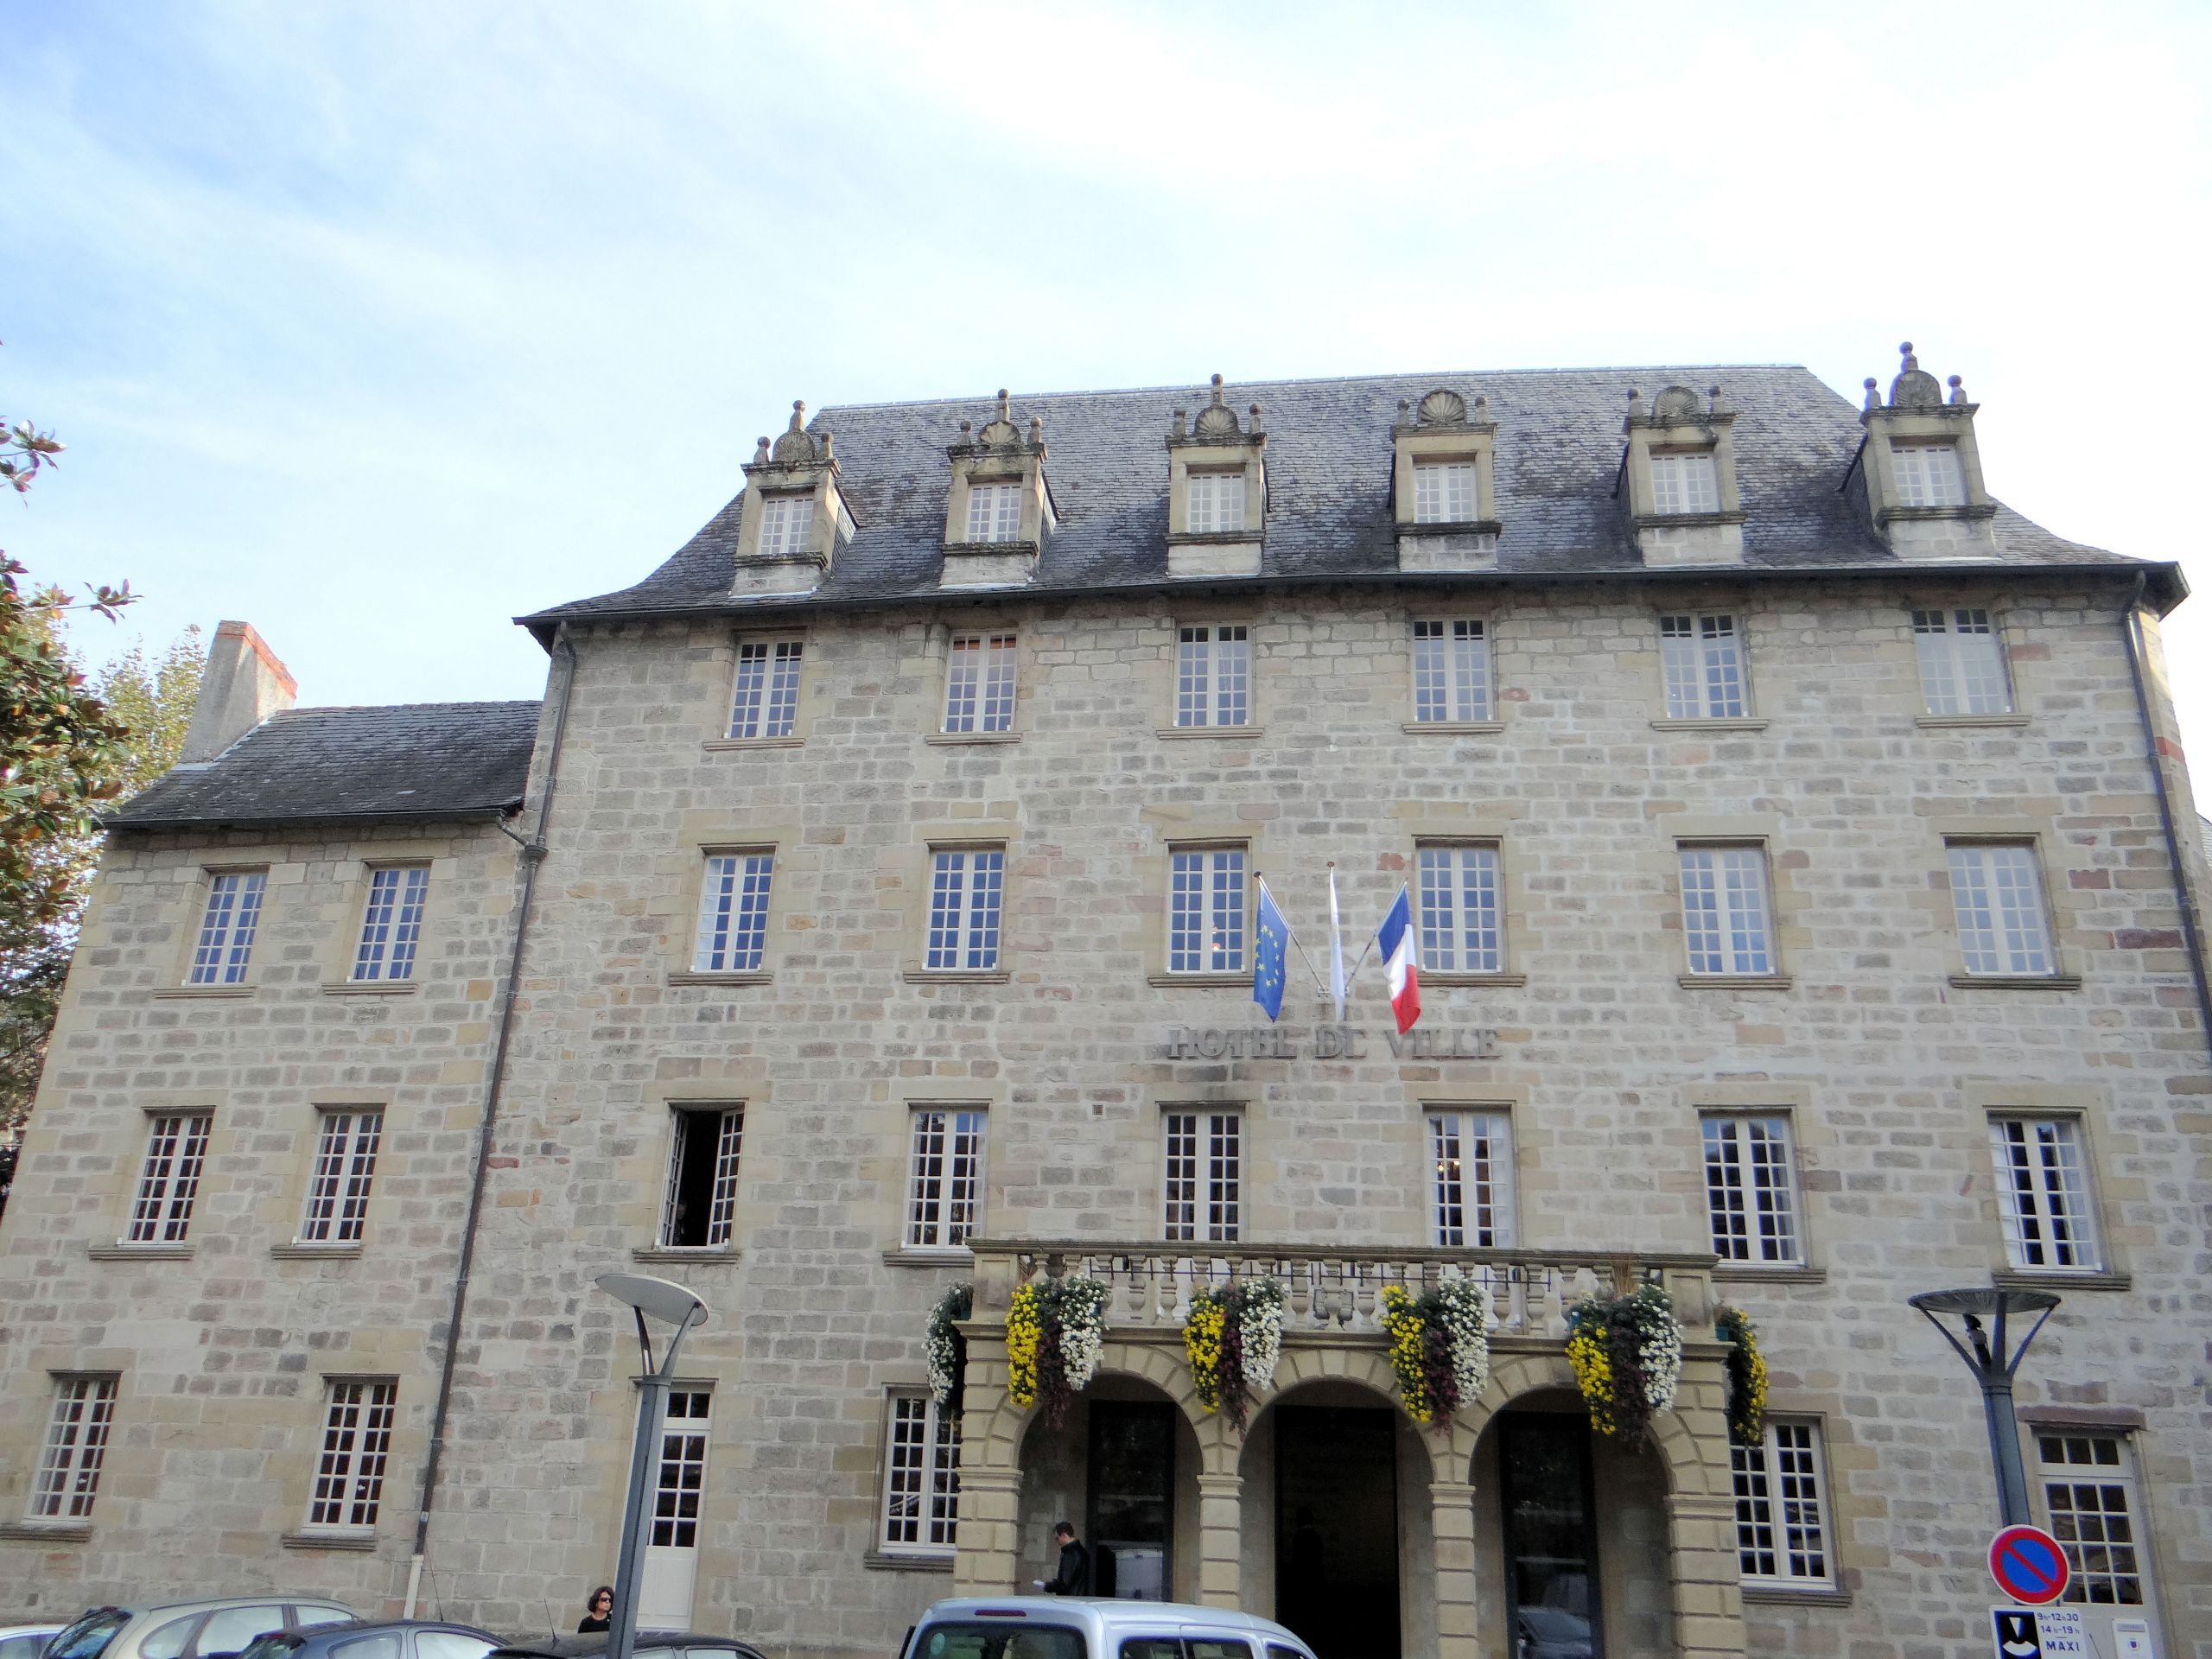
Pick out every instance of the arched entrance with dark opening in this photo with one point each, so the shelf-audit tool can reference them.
(1123, 1469)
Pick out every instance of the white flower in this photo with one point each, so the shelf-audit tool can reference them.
(1261, 1328)
(1083, 1328)
(1467, 1328)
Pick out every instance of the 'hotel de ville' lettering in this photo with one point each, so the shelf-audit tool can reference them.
(1327, 1042)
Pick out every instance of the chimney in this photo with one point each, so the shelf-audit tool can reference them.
(241, 684)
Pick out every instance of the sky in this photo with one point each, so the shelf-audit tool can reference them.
(379, 324)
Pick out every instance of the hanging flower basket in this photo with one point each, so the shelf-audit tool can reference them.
(1440, 1347)
(1055, 1332)
(946, 1349)
(1233, 1338)
(1746, 1376)
(1627, 1356)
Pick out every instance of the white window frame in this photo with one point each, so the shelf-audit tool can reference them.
(785, 521)
(391, 923)
(1929, 475)
(1451, 670)
(1754, 1215)
(1781, 1507)
(1213, 675)
(995, 512)
(1471, 1191)
(763, 698)
(1202, 1174)
(946, 1148)
(168, 1178)
(1701, 658)
(1209, 906)
(1962, 665)
(980, 681)
(1999, 906)
(2118, 1566)
(1446, 493)
(730, 1150)
(357, 1420)
(733, 900)
(680, 1469)
(348, 1139)
(967, 910)
(2044, 1195)
(78, 1424)
(1216, 505)
(228, 921)
(1685, 481)
(1728, 905)
(920, 1511)
(1459, 900)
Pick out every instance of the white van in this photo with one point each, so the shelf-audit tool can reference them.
(1075, 1627)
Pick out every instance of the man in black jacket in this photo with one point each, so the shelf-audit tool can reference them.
(1074, 1577)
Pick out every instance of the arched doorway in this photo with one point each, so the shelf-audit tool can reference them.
(1123, 1470)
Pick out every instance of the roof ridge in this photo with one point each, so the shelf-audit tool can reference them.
(394, 708)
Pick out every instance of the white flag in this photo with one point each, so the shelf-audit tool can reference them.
(1336, 948)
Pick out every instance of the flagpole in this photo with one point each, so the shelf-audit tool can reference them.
(1292, 932)
(1336, 947)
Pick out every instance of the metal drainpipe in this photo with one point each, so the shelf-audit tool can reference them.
(2131, 624)
(533, 854)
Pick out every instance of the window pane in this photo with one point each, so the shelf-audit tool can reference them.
(226, 929)
(921, 1496)
(345, 1167)
(356, 1440)
(1444, 492)
(1685, 483)
(681, 1478)
(1927, 475)
(1231, 675)
(1451, 670)
(2043, 1193)
(391, 923)
(734, 913)
(176, 1151)
(785, 521)
(76, 1446)
(1780, 1528)
(1724, 910)
(1473, 1159)
(2088, 1488)
(1997, 898)
(1750, 1190)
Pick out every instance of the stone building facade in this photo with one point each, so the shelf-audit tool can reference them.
(1802, 926)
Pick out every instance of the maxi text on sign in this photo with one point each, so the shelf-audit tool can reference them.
(2028, 1565)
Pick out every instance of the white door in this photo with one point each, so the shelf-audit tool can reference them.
(671, 1568)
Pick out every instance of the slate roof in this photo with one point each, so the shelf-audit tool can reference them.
(1559, 449)
(407, 761)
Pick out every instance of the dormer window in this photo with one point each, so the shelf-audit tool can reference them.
(1443, 493)
(1919, 471)
(785, 520)
(1684, 480)
(1928, 475)
(783, 544)
(994, 512)
(1678, 478)
(998, 512)
(1217, 502)
(1216, 491)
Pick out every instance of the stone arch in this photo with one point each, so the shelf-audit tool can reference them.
(1691, 1471)
(1002, 1433)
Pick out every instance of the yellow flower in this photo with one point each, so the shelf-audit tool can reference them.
(1024, 1337)
(1201, 1335)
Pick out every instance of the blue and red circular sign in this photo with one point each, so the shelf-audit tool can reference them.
(2028, 1565)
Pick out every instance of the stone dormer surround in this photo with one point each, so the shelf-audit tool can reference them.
(997, 455)
(1216, 443)
(1918, 415)
(1680, 423)
(1443, 428)
(799, 466)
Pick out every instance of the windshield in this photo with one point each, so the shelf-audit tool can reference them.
(995, 1640)
(89, 1637)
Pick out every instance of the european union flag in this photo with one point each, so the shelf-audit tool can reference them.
(1267, 957)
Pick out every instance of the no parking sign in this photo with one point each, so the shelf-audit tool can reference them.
(2028, 1565)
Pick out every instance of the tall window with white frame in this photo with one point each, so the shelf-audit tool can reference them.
(1782, 1534)
(356, 1441)
(1452, 673)
(227, 927)
(2042, 1191)
(1474, 1178)
(734, 913)
(1962, 662)
(391, 923)
(945, 1183)
(1725, 917)
(966, 888)
(1444, 492)
(995, 512)
(169, 1181)
(1684, 480)
(345, 1166)
(76, 1445)
(765, 703)
(1928, 475)
(1206, 909)
(700, 1211)
(1702, 658)
(921, 1477)
(680, 1480)
(1203, 1181)
(1750, 1190)
(1997, 893)
(1459, 931)
(2090, 1501)
(1217, 502)
(1213, 675)
(979, 680)
(785, 521)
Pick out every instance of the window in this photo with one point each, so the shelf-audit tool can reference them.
(1217, 501)
(965, 889)
(785, 521)
(1750, 1190)
(1474, 1178)
(449, 1645)
(1961, 665)
(921, 1476)
(1213, 675)
(226, 930)
(1780, 1533)
(176, 1151)
(945, 1186)
(345, 1163)
(1703, 663)
(1725, 910)
(1998, 896)
(1928, 475)
(682, 1474)
(1685, 481)
(1451, 670)
(734, 913)
(232, 1630)
(1444, 492)
(1458, 910)
(2043, 1188)
(391, 923)
(979, 684)
(1204, 1176)
(356, 1440)
(1205, 910)
(76, 1444)
(766, 703)
(702, 1178)
(994, 512)
(2089, 1490)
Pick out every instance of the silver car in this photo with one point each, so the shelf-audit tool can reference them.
(190, 1629)
(1077, 1627)
(26, 1641)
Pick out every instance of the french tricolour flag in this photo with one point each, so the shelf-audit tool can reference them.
(1402, 961)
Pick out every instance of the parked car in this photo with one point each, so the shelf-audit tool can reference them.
(190, 1629)
(650, 1644)
(1070, 1627)
(384, 1638)
(26, 1641)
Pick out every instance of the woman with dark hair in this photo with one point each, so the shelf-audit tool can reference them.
(598, 1611)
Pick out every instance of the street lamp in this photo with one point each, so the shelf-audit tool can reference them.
(663, 1299)
(1993, 1367)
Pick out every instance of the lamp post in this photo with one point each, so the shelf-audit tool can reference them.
(663, 1299)
(1987, 1357)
